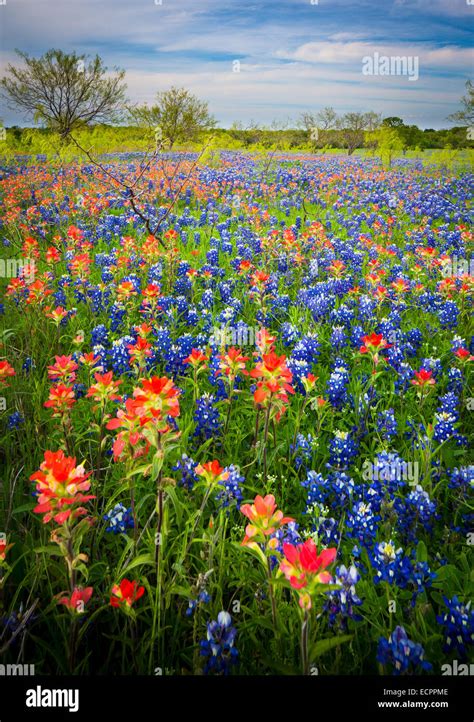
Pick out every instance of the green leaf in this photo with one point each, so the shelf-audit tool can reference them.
(24, 507)
(278, 666)
(421, 552)
(52, 551)
(323, 645)
(140, 560)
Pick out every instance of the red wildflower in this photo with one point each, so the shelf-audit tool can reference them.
(305, 569)
(125, 594)
(61, 399)
(275, 381)
(156, 399)
(78, 599)
(265, 519)
(105, 388)
(195, 358)
(59, 484)
(5, 372)
(63, 370)
(212, 472)
(464, 355)
(232, 363)
(423, 378)
(130, 438)
(4, 547)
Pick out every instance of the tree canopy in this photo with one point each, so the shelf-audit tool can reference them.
(64, 90)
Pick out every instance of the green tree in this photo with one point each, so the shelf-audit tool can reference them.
(387, 142)
(65, 91)
(178, 116)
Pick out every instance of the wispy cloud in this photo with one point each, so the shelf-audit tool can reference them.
(293, 54)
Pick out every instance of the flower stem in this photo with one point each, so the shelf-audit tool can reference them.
(304, 643)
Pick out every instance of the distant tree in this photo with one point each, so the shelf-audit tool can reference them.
(393, 122)
(327, 118)
(352, 128)
(466, 115)
(65, 91)
(178, 116)
(320, 126)
(372, 120)
(324, 119)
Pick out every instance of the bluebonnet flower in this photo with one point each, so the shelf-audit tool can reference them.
(119, 519)
(289, 333)
(343, 449)
(15, 621)
(336, 387)
(15, 420)
(207, 299)
(303, 450)
(434, 365)
(203, 598)
(415, 337)
(461, 478)
(362, 523)
(448, 314)
(306, 349)
(178, 352)
(457, 343)
(420, 577)
(342, 602)
(187, 467)
(357, 333)
(207, 418)
(448, 402)
(405, 374)
(390, 469)
(458, 624)
(231, 492)
(455, 380)
(414, 511)
(318, 488)
(101, 353)
(401, 653)
(163, 341)
(218, 647)
(444, 427)
(116, 312)
(338, 337)
(213, 256)
(100, 335)
(28, 364)
(387, 424)
(386, 560)
(119, 355)
(342, 488)
(327, 531)
(343, 315)
(300, 369)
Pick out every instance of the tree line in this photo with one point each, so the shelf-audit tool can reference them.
(67, 92)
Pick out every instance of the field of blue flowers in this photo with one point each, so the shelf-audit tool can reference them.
(236, 416)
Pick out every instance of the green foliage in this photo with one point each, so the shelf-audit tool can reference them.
(386, 143)
(177, 117)
(65, 91)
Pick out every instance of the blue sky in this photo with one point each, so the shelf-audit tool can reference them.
(293, 55)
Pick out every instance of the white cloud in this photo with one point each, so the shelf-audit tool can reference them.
(340, 53)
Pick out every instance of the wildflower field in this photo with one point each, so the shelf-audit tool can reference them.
(236, 416)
